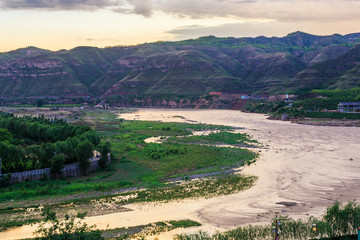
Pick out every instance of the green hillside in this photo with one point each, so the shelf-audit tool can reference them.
(191, 67)
(340, 73)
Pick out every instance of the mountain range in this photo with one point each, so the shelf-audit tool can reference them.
(258, 65)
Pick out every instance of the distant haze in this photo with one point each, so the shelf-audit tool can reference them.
(58, 24)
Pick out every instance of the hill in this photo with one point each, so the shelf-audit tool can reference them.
(342, 72)
(192, 67)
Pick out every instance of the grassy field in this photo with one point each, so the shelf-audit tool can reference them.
(136, 164)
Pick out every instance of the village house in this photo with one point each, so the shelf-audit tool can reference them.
(349, 107)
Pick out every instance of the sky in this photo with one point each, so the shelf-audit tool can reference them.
(65, 24)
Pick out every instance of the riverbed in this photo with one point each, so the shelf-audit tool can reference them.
(302, 169)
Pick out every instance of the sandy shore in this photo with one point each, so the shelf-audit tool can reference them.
(308, 167)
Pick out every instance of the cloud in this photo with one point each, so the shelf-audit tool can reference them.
(141, 7)
(233, 29)
(282, 10)
(268, 29)
(279, 10)
(58, 4)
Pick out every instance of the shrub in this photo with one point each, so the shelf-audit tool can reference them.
(57, 164)
(71, 227)
(83, 152)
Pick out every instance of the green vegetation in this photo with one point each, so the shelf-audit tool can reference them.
(170, 158)
(134, 162)
(5, 135)
(140, 232)
(235, 139)
(5, 224)
(46, 105)
(326, 99)
(83, 152)
(298, 60)
(104, 148)
(61, 105)
(310, 104)
(71, 227)
(345, 94)
(339, 222)
(184, 223)
(314, 101)
(33, 143)
(223, 185)
(332, 115)
(39, 103)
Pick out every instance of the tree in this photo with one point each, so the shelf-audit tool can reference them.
(5, 135)
(83, 152)
(71, 228)
(104, 148)
(57, 164)
(39, 103)
(34, 154)
(91, 136)
(49, 151)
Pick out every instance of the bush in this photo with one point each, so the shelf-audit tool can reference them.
(57, 164)
(104, 148)
(339, 222)
(70, 228)
(5, 135)
(83, 152)
(5, 180)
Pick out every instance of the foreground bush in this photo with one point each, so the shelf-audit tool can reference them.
(339, 222)
(71, 228)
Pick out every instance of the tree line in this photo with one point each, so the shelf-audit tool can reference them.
(40, 129)
(29, 143)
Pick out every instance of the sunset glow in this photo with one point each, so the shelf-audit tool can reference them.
(59, 24)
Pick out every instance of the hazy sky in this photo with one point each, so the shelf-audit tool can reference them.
(64, 24)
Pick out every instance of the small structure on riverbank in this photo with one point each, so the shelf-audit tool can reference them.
(349, 107)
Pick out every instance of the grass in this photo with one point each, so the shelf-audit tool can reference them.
(206, 188)
(4, 225)
(47, 106)
(62, 105)
(154, 129)
(332, 115)
(197, 189)
(229, 138)
(141, 231)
